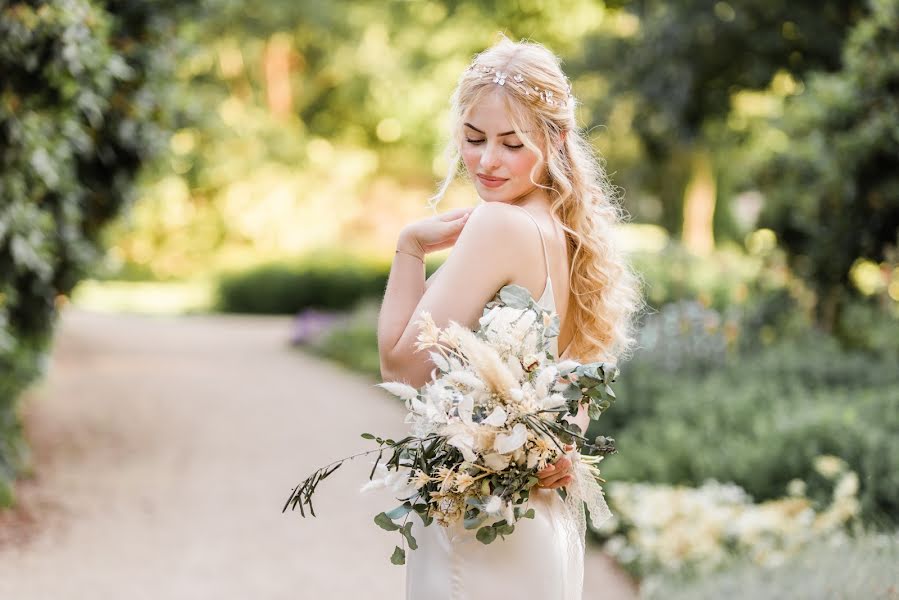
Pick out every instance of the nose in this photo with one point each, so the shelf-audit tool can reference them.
(490, 157)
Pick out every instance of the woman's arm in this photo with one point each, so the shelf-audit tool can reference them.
(489, 252)
(405, 287)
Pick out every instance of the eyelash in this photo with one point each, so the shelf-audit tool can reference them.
(506, 145)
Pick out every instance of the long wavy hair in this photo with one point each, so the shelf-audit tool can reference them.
(606, 291)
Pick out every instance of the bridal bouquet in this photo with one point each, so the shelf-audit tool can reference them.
(497, 410)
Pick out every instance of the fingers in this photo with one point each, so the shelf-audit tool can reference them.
(454, 214)
(555, 475)
(457, 224)
(560, 466)
(548, 484)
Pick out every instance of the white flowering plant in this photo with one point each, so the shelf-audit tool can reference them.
(498, 408)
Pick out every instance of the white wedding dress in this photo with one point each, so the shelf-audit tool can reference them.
(543, 559)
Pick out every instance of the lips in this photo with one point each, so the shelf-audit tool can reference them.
(491, 181)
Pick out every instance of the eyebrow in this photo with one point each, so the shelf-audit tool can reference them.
(479, 131)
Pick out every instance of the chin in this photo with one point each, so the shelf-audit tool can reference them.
(488, 195)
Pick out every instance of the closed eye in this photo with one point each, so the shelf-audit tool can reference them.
(506, 145)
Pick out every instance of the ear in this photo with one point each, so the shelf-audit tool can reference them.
(562, 139)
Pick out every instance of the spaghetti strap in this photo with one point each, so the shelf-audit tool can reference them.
(542, 241)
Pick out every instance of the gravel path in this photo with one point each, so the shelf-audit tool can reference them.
(164, 450)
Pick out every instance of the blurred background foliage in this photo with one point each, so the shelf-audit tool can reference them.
(85, 89)
(263, 157)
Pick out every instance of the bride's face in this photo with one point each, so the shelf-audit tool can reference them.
(496, 160)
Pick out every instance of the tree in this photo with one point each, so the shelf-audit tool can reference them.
(82, 107)
(832, 192)
(682, 63)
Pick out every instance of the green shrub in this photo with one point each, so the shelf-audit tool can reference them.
(860, 567)
(759, 421)
(674, 274)
(83, 104)
(353, 342)
(328, 282)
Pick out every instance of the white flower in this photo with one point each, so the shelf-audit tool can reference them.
(567, 366)
(497, 462)
(485, 320)
(428, 330)
(847, 486)
(464, 378)
(505, 443)
(465, 443)
(400, 390)
(493, 505)
(546, 377)
(553, 401)
(497, 418)
(465, 408)
(508, 512)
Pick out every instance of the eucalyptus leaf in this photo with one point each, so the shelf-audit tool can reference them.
(554, 326)
(399, 556)
(473, 522)
(384, 522)
(406, 530)
(398, 512)
(515, 296)
(572, 392)
(486, 534)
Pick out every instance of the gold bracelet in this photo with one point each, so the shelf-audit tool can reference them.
(410, 254)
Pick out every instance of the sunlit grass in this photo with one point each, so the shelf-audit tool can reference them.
(145, 297)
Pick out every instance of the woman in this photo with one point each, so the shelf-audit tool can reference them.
(545, 222)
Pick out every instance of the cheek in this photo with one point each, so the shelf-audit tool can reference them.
(521, 164)
(471, 157)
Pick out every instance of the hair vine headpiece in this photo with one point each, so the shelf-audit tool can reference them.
(499, 77)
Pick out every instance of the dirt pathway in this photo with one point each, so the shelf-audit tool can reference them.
(164, 451)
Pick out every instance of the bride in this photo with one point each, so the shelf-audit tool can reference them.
(546, 223)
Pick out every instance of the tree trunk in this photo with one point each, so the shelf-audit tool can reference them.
(699, 203)
(276, 65)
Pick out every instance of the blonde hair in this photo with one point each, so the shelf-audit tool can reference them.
(606, 291)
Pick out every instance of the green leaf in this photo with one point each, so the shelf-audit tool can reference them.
(554, 326)
(399, 556)
(368, 436)
(384, 522)
(572, 392)
(399, 512)
(505, 529)
(406, 530)
(515, 296)
(474, 522)
(529, 514)
(486, 534)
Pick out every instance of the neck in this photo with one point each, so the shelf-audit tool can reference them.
(536, 197)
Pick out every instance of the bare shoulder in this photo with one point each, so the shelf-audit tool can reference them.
(505, 224)
(509, 237)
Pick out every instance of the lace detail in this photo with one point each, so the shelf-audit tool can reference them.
(584, 489)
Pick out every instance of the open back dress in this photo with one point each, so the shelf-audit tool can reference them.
(542, 559)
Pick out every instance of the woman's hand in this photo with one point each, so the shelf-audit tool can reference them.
(434, 233)
(557, 474)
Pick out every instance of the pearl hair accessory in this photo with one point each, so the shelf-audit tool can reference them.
(499, 77)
